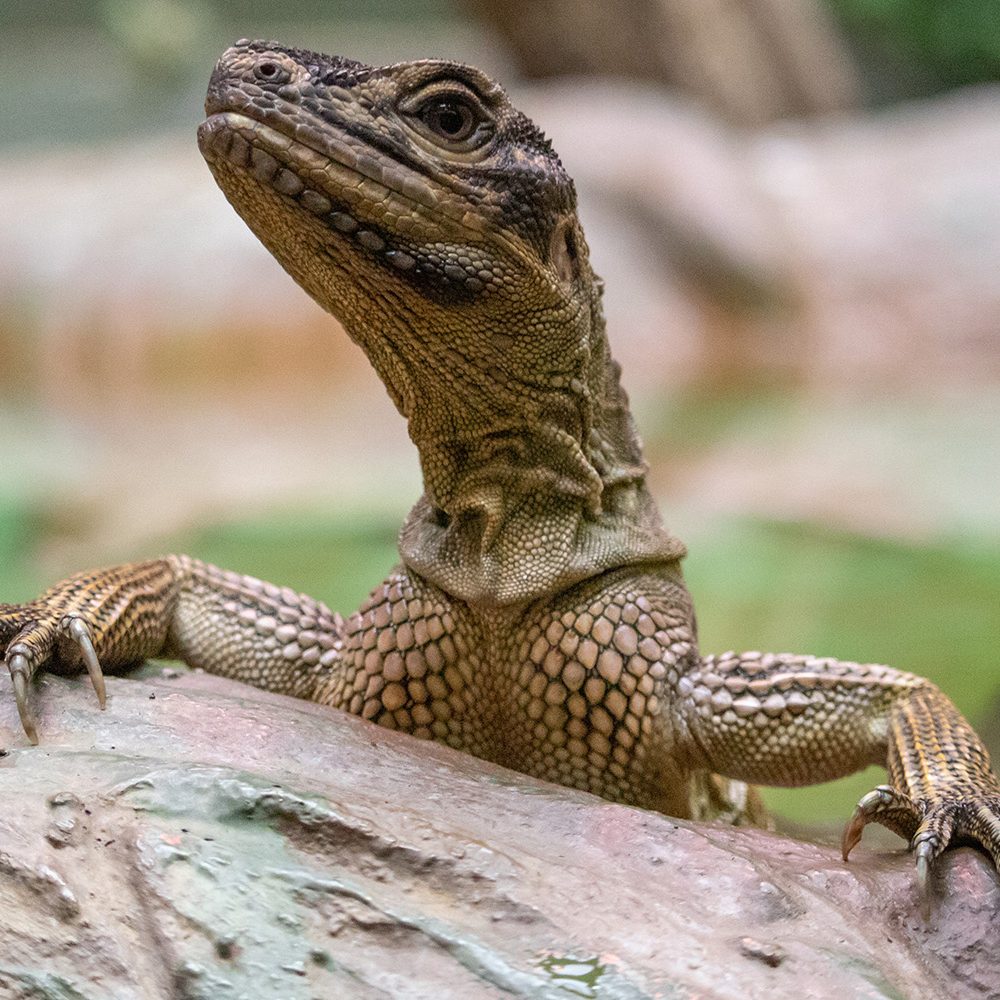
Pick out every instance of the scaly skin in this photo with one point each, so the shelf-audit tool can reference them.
(539, 617)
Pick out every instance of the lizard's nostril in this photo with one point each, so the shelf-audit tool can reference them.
(270, 71)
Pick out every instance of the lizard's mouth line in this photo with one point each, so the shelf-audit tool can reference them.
(319, 183)
(330, 170)
(334, 185)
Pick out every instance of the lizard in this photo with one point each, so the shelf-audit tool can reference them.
(538, 617)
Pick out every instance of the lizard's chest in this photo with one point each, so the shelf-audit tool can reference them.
(576, 691)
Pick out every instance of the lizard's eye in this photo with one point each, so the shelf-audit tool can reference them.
(451, 115)
(450, 118)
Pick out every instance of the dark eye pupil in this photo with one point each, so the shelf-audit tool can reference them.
(451, 118)
(267, 69)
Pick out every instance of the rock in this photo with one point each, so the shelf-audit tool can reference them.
(859, 250)
(217, 841)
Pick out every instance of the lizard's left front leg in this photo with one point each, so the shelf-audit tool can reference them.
(779, 719)
(179, 607)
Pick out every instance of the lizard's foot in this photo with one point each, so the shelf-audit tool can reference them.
(930, 826)
(36, 634)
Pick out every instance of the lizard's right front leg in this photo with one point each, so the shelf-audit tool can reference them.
(227, 623)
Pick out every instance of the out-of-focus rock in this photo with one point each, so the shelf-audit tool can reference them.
(750, 63)
(854, 251)
(200, 839)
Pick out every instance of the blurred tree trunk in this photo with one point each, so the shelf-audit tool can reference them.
(750, 61)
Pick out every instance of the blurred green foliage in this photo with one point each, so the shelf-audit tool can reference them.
(83, 12)
(914, 47)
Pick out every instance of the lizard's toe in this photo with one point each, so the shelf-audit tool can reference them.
(885, 805)
(930, 827)
(21, 672)
(931, 838)
(984, 826)
(28, 651)
(78, 630)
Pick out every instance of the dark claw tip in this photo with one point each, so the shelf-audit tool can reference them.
(81, 634)
(21, 697)
(852, 833)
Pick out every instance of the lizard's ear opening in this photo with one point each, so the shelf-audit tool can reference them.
(563, 252)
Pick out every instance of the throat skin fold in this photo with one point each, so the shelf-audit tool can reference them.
(549, 492)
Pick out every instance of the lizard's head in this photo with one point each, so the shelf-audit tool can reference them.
(419, 207)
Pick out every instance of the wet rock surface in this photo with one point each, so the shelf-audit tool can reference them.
(200, 839)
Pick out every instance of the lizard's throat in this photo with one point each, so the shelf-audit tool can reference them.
(479, 486)
(515, 514)
(509, 541)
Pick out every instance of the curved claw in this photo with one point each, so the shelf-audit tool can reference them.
(851, 836)
(20, 670)
(926, 850)
(876, 803)
(80, 633)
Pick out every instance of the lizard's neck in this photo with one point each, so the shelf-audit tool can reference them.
(545, 489)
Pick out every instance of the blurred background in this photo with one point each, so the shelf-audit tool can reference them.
(796, 206)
